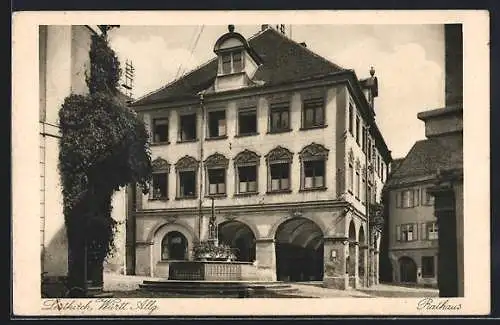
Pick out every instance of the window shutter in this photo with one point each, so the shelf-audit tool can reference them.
(416, 196)
(415, 226)
(398, 233)
(424, 232)
(398, 200)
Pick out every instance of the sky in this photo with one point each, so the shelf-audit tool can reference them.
(408, 60)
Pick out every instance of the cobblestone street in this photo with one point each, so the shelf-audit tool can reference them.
(127, 286)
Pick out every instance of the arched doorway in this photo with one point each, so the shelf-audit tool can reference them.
(351, 258)
(240, 237)
(299, 251)
(407, 270)
(174, 246)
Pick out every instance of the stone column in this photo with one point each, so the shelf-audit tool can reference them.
(371, 263)
(364, 262)
(336, 251)
(265, 255)
(353, 264)
(376, 262)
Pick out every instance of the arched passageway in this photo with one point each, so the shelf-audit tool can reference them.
(299, 251)
(407, 270)
(362, 253)
(174, 246)
(240, 237)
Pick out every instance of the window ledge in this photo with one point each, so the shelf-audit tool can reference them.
(222, 137)
(279, 192)
(313, 189)
(186, 141)
(279, 131)
(158, 199)
(314, 127)
(186, 197)
(245, 194)
(243, 135)
(216, 196)
(161, 143)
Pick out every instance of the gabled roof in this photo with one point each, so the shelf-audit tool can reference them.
(283, 60)
(428, 156)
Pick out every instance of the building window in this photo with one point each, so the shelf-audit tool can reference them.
(216, 181)
(430, 231)
(246, 164)
(358, 127)
(406, 232)
(216, 124)
(186, 169)
(247, 121)
(216, 166)
(280, 117)
(247, 179)
(313, 158)
(363, 140)
(314, 174)
(313, 113)
(350, 178)
(160, 130)
(363, 188)
(159, 183)
(428, 266)
(407, 198)
(174, 246)
(351, 116)
(279, 162)
(232, 62)
(187, 127)
(427, 198)
(159, 186)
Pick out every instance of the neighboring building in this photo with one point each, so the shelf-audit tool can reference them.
(285, 144)
(64, 61)
(416, 244)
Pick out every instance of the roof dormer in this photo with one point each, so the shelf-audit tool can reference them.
(237, 61)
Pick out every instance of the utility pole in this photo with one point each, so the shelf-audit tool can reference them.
(202, 139)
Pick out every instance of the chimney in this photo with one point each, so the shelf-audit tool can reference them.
(264, 27)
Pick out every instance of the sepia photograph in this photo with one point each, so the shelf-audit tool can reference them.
(260, 162)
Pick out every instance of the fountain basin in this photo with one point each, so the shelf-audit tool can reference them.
(211, 271)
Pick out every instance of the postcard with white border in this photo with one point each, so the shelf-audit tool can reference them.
(260, 163)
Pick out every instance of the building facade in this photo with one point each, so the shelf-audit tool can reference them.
(416, 199)
(283, 144)
(63, 63)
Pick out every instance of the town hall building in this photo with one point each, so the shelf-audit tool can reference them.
(283, 144)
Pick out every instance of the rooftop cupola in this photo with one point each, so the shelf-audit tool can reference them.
(237, 61)
(370, 87)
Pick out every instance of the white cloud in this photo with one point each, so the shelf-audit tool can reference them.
(156, 64)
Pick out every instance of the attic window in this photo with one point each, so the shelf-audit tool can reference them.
(231, 62)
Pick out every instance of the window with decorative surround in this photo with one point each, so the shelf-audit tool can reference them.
(246, 165)
(159, 183)
(279, 162)
(187, 170)
(216, 167)
(313, 160)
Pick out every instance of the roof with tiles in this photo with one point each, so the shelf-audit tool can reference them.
(284, 60)
(428, 156)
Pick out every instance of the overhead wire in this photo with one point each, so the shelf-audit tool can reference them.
(191, 50)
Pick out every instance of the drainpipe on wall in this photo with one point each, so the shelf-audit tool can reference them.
(202, 139)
